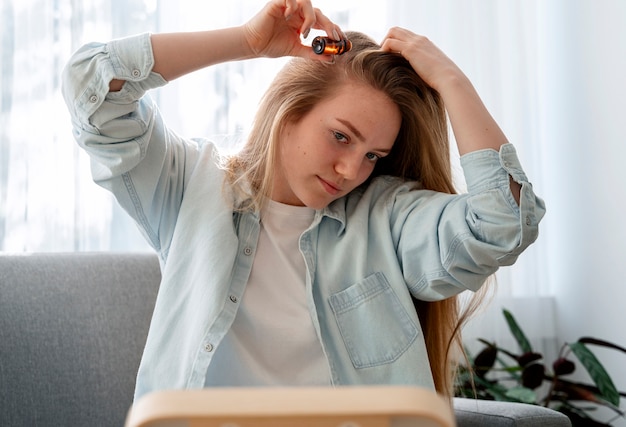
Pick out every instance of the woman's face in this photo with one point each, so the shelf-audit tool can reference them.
(333, 149)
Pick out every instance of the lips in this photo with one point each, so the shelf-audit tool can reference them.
(330, 188)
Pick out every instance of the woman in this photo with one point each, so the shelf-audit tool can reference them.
(296, 261)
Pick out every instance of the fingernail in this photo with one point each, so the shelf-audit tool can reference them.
(336, 35)
(306, 33)
(288, 17)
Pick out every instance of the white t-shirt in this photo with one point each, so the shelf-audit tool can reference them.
(272, 340)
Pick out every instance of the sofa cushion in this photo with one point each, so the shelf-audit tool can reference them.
(480, 413)
(67, 358)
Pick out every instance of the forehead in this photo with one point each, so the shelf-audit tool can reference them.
(356, 95)
(368, 109)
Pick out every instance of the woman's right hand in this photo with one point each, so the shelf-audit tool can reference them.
(275, 31)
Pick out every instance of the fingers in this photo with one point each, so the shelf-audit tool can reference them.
(424, 56)
(300, 13)
(325, 24)
(311, 18)
(398, 39)
(277, 30)
(291, 6)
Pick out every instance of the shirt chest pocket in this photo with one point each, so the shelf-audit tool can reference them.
(373, 323)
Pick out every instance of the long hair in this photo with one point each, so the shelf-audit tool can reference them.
(420, 153)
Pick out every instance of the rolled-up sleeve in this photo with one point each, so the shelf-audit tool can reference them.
(87, 75)
(493, 214)
(132, 152)
(450, 243)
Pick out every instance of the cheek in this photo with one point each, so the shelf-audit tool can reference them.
(366, 170)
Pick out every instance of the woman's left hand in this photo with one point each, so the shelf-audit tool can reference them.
(474, 127)
(432, 65)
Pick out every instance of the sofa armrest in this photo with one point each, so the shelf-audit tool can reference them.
(479, 413)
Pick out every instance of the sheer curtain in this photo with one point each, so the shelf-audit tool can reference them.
(47, 199)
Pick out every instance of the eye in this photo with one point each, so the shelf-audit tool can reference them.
(340, 137)
(372, 157)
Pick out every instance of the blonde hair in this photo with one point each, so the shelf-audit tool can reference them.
(420, 153)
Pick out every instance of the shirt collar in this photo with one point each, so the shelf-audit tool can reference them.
(337, 211)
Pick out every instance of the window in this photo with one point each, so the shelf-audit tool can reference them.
(47, 199)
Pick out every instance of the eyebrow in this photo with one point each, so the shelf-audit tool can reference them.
(353, 129)
(359, 135)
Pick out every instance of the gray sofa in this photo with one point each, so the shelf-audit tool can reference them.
(72, 330)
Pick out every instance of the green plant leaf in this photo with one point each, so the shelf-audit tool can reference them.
(522, 394)
(517, 332)
(582, 392)
(512, 369)
(596, 341)
(597, 372)
(497, 391)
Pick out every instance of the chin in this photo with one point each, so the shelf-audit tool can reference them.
(318, 204)
(317, 201)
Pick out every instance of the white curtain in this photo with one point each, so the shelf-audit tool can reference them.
(47, 199)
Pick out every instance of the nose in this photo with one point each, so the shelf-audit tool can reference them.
(348, 166)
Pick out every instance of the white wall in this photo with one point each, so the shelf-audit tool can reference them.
(585, 93)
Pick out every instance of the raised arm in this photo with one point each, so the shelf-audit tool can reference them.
(273, 32)
(473, 126)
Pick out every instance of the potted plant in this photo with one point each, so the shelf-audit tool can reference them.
(524, 376)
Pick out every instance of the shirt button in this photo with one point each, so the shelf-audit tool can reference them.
(208, 347)
(528, 221)
(247, 251)
(233, 298)
(136, 73)
(93, 99)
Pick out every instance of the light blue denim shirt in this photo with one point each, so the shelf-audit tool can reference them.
(365, 254)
